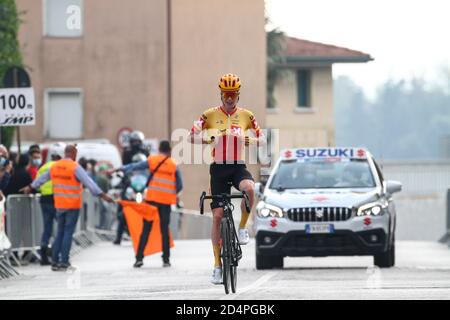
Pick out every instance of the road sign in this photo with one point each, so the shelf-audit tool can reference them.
(17, 107)
(123, 137)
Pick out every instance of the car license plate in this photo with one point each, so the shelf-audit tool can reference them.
(319, 228)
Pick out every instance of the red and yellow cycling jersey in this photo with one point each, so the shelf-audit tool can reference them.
(229, 130)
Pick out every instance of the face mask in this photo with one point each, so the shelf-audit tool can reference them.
(2, 161)
(36, 162)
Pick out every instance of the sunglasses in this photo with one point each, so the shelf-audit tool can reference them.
(230, 94)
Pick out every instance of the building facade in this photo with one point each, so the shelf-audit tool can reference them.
(101, 65)
(304, 113)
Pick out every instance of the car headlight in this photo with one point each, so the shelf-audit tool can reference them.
(270, 211)
(371, 209)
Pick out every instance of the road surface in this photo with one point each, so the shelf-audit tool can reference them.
(105, 271)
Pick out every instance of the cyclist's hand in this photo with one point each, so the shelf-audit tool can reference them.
(210, 140)
(247, 141)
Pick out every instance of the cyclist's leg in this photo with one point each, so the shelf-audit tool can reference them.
(215, 235)
(243, 181)
(218, 185)
(248, 186)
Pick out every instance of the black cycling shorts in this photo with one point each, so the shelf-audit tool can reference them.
(221, 175)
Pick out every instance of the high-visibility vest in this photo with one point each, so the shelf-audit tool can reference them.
(47, 188)
(162, 187)
(67, 189)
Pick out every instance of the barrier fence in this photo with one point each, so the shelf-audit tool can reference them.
(6, 270)
(446, 237)
(24, 227)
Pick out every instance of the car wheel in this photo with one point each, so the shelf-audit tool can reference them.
(386, 259)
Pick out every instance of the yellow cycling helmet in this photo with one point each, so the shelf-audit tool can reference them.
(230, 82)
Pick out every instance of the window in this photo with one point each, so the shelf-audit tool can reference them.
(63, 18)
(321, 173)
(303, 88)
(63, 113)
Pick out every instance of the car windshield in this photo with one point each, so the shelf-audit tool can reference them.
(323, 173)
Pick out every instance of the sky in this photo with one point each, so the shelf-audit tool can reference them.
(407, 38)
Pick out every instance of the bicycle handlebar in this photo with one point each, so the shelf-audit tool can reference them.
(225, 197)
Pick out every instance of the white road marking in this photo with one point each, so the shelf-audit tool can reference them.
(252, 286)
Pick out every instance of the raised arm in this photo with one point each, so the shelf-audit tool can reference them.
(195, 136)
(260, 139)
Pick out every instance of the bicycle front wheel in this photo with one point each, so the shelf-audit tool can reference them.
(226, 257)
(233, 259)
(233, 278)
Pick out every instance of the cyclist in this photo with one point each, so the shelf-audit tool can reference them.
(226, 126)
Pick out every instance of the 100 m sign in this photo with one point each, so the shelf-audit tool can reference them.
(17, 107)
(13, 102)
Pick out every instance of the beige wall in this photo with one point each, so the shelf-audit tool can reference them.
(121, 65)
(211, 38)
(299, 127)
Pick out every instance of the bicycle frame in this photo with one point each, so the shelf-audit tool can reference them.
(231, 251)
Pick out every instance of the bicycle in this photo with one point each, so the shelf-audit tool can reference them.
(231, 251)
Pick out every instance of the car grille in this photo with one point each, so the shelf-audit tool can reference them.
(320, 214)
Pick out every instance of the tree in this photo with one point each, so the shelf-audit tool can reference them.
(10, 54)
(407, 119)
(275, 46)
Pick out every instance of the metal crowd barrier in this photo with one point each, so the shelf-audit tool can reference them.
(6, 269)
(446, 237)
(24, 226)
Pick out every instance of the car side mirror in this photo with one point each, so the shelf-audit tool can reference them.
(393, 186)
(259, 189)
(263, 180)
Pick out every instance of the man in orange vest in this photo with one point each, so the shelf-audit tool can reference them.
(67, 177)
(163, 186)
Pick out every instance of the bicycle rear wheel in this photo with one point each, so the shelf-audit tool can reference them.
(226, 261)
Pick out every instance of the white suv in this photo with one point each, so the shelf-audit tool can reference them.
(325, 202)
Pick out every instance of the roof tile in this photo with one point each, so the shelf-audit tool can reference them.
(304, 48)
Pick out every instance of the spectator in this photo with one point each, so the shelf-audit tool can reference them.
(83, 163)
(92, 163)
(20, 177)
(67, 178)
(47, 203)
(103, 181)
(159, 195)
(32, 148)
(5, 168)
(35, 162)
